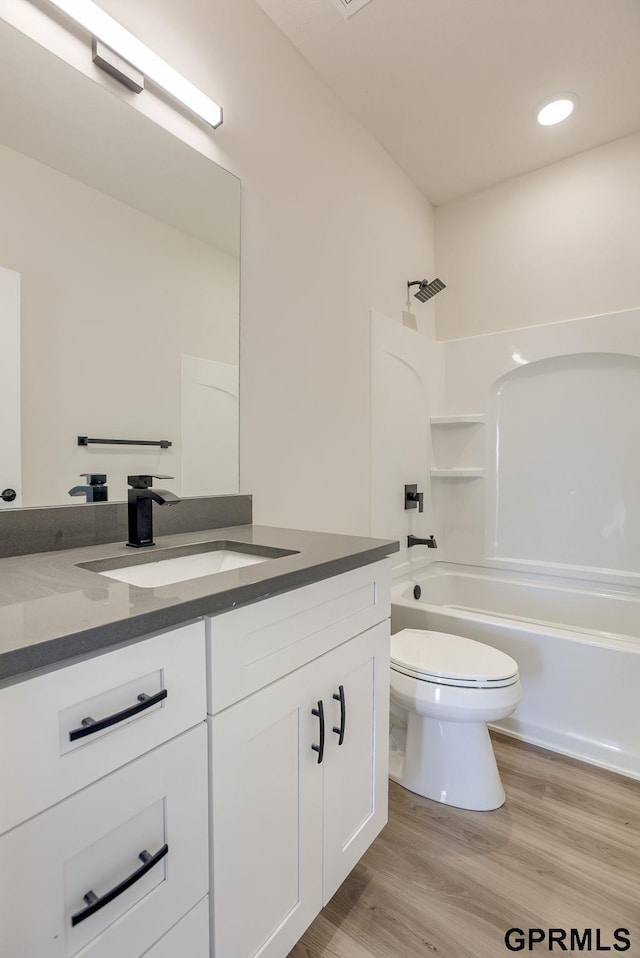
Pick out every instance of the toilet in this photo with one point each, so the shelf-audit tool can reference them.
(446, 688)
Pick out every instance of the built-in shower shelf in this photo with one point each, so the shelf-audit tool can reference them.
(457, 473)
(470, 420)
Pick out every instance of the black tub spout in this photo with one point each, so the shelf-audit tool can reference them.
(430, 543)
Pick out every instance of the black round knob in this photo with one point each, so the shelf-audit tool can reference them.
(8, 495)
(417, 592)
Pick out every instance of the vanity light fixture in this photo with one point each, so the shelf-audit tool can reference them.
(108, 33)
(556, 109)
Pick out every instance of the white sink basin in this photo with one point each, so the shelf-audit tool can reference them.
(149, 568)
(168, 571)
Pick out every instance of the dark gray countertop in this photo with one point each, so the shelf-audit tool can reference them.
(51, 610)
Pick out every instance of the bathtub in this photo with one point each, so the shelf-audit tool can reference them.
(577, 646)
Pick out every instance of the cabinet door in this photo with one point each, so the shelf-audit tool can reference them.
(59, 869)
(355, 773)
(266, 808)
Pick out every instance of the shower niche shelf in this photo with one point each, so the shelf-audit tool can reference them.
(460, 448)
(457, 473)
(470, 420)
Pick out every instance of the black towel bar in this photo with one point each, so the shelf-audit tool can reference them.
(85, 441)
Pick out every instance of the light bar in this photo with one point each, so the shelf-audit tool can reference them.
(104, 28)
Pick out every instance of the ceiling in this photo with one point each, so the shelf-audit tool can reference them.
(450, 87)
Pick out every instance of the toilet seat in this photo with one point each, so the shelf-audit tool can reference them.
(443, 659)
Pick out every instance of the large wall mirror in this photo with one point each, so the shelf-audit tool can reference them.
(119, 291)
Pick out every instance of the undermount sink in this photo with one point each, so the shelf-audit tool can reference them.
(168, 566)
(167, 571)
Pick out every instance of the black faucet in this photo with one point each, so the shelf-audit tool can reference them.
(430, 543)
(141, 499)
(95, 490)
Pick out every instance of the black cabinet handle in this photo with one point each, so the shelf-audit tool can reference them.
(343, 714)
(90, 726)
(94, 903)
(320, 714)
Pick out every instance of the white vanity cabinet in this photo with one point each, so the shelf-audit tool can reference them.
(134, 825)
(188, 939)
(104, 834)
(292, 809)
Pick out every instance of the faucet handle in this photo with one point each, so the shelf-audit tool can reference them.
(412, 497)
(144, 482)
(96, 489)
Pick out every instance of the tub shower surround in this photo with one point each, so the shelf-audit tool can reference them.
(556, 488)
(532, 492)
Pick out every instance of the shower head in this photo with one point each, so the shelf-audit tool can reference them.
(426, 289)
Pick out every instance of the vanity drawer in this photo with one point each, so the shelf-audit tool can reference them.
(46, 752)
(93, 843)
(189, 938)
(252, 646)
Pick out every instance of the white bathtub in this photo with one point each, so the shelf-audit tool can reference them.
(577, 646)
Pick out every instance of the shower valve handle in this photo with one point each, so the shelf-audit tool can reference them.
(412, 498)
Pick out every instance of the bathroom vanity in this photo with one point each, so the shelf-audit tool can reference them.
(194, 767)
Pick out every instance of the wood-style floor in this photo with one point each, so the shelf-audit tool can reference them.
(563, 852)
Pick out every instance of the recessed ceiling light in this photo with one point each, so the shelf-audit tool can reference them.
(557, 109)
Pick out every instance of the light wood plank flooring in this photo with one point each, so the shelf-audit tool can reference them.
(563, 852)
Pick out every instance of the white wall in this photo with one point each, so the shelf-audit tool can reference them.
(556, 244)
(10, 439)
(331, 227)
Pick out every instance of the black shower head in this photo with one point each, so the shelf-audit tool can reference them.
(426, 289)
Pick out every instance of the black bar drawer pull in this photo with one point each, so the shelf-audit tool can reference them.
(90, 726)
(320, 714)
(343, 714)
(94, 903)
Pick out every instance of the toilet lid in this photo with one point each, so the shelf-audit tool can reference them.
(438, 656)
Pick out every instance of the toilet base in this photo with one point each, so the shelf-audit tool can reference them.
(449, 762)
